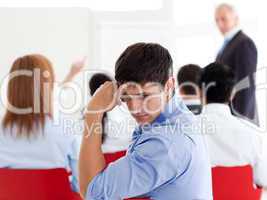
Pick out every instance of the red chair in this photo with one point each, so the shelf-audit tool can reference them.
(234, 183)
(111, 157)
(51, 184)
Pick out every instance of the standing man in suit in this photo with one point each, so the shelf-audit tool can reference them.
(240, 53)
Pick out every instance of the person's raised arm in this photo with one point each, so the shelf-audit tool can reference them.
(92, 160)
(76, 68)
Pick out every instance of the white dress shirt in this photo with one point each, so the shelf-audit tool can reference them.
(192, 101)
(234, 141)
(119, 127)
(55, 147)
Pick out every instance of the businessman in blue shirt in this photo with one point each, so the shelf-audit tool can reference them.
(167, 159)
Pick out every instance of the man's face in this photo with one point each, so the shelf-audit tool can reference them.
(145, 102)
(226, 19)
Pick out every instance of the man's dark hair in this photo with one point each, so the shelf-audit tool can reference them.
(96, 81)
(189, 74)
(218, 81)
(144, 62)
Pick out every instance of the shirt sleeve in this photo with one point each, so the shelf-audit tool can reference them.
(148, 166)
(69, 143)
(73, 162)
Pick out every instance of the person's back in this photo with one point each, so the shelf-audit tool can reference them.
(232, 141)
(53, 139)
(29, 136)
(235, 140)
(52, 147)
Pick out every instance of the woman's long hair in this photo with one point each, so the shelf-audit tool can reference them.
(29, 94)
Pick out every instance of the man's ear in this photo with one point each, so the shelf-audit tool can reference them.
(170, 85)
(202, 97)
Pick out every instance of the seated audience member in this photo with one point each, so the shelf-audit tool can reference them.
(118, 123)
(164, 161)
(233, 141)
(188, 79)
(29, 139)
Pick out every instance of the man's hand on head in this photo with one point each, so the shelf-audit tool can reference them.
(104, 99)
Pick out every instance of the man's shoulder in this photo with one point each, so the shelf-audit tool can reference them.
(243, 39)
(167, 133)
(159, 133)
(229, 122)
(158, 145)
(249, 126)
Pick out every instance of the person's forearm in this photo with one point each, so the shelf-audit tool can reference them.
(92, 159)
(67, 79)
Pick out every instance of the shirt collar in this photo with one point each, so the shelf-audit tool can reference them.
(231, 34)
(216, 108)
(192, 102)
(174, 107)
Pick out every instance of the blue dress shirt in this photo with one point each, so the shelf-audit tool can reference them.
(167, 160)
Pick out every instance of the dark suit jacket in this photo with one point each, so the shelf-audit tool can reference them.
(241, 54)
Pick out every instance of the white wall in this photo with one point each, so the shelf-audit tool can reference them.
(61, 34)
(115, 31)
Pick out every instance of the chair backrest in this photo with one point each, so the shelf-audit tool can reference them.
(111, 157)
(234, 183)
(51, 184)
